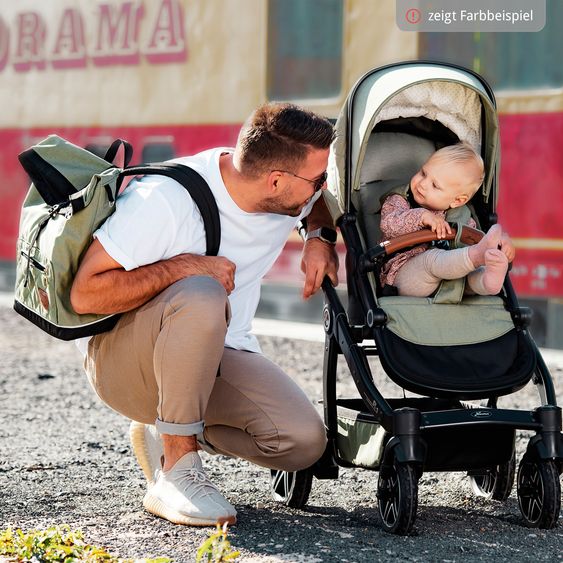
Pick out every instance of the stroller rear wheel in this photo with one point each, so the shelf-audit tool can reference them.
(495, 483)
(539, 491)
(291, 487)
(398, 498)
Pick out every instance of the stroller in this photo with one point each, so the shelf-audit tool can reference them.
(458, 354)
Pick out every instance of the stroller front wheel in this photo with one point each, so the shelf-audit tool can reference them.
(398, 498)
(539, 491)
(291, 487)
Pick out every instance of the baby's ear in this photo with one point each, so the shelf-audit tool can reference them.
(459, 201)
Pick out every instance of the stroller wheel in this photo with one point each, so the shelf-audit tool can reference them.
(291, 487)
(495, 483)
(539, 491)
(398, 499)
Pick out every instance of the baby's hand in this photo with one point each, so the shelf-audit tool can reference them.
(436, 223)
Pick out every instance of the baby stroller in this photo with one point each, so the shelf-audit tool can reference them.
(458, 354)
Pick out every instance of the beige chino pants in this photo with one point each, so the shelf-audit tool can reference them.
(166, 361)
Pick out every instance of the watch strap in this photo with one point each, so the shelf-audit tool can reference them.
(326, 234)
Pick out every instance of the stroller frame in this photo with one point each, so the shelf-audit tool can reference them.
(415, 427)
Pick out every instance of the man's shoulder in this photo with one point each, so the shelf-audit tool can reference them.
(163, 196)
(203, 162)
(160, 190)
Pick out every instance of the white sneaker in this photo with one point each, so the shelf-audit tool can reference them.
(148, 449)
(184, 495)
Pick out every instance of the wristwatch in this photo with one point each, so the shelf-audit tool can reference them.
(326, 234)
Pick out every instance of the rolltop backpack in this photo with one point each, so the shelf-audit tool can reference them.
(73, 192)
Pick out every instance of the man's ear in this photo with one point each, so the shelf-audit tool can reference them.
(274, 181)
(459, 201)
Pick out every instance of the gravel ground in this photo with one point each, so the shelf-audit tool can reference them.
(66, 459)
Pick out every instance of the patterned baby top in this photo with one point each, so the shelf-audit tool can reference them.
(399, 218)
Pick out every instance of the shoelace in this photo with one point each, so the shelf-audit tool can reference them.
(199, 481)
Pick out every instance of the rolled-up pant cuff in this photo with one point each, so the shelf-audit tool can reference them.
(179, 429)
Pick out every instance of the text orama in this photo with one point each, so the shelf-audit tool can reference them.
(108, 34)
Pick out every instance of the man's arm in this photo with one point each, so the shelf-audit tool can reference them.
(102, 286)
(319, 258)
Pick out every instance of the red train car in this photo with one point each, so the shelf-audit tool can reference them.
(177, 76)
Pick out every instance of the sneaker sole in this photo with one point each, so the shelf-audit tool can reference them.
(158, 508)
(137, 437)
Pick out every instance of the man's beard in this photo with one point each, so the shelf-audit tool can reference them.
(279, 206)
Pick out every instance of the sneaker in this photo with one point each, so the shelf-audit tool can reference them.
(184, 495)
(148, 449)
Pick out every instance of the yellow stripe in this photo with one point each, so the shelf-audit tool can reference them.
(539, 243)
(546, 100)
(294, 236)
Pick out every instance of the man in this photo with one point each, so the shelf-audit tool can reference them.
(182, 353)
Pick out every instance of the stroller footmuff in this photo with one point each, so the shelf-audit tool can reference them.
(444, 350)
(469, 350)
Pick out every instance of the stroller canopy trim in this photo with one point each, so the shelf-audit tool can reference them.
(365, 104)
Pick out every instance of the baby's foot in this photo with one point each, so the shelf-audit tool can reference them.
(496, 266)
(490, 240)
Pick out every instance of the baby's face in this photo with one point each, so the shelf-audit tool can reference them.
(439, 184)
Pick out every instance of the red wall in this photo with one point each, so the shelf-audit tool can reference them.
(531, 199)
(530, 203)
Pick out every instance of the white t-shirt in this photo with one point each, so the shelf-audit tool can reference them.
(156, 219)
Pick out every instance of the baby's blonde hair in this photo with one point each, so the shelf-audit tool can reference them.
(463, 152)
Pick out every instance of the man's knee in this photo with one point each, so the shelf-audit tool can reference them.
(308, 442)
(201, 297)
(198, 288)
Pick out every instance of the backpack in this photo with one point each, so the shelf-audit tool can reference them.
(73, 192)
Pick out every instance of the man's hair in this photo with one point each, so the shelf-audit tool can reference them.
(279, 136)
(463, 152)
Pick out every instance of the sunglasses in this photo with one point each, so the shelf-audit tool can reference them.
(318, 183)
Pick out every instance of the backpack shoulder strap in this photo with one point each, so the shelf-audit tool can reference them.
(111, 153)
(198, 189)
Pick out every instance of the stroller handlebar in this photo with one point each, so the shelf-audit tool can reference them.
(468, 236)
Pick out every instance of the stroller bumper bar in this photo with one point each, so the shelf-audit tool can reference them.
(547, 418)
(468, 236)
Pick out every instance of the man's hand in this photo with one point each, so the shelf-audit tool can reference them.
(218, 267)
(319, 259)
(436, 223)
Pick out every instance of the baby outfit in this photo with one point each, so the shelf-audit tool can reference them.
(419, 271)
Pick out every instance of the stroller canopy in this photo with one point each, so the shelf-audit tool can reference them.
(457, 98)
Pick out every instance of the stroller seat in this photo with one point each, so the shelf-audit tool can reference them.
(469, 350)
(402, 155)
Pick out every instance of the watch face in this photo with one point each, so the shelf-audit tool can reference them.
(329, 235)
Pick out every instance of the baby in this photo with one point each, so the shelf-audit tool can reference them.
(448, 179)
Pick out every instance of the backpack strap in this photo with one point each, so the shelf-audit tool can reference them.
(198, 189)
(111, 153)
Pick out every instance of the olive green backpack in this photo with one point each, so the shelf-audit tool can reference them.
(73, 192)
